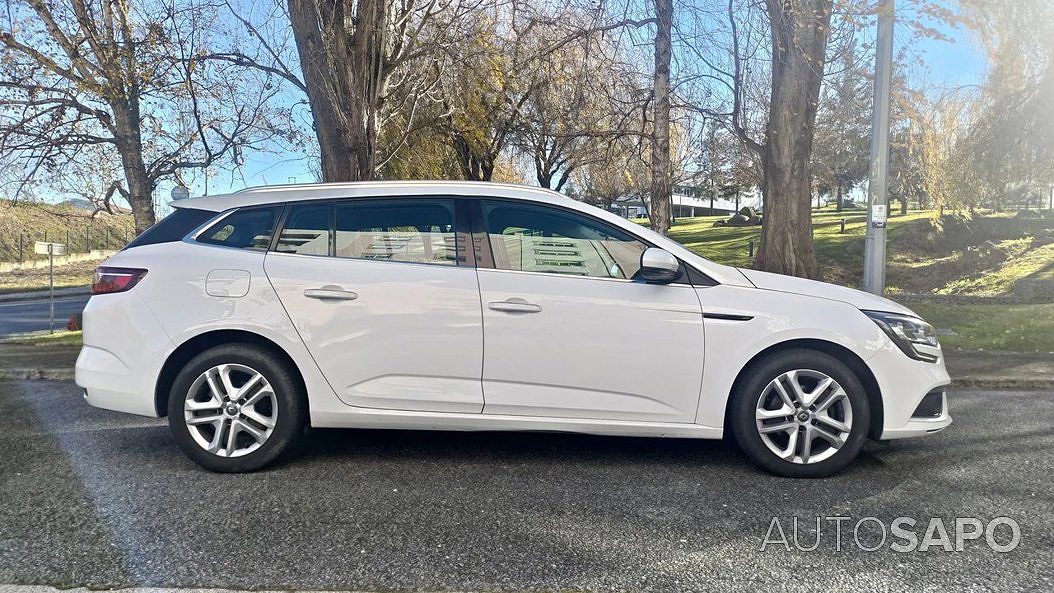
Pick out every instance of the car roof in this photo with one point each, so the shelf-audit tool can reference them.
(270, 194)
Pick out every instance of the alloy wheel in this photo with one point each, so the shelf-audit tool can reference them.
(230, 410)
(804, 416)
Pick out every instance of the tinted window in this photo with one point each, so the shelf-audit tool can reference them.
(533, 238)
(173, 227)
(418, 230)
(306, 230)
(248, 228)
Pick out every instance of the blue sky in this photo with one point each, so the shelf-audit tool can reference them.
(948, 64)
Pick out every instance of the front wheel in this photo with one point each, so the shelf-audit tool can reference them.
(236, 408)
(800, 414)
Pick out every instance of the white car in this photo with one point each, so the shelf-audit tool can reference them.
(477, 306)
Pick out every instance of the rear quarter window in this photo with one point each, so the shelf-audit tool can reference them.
(248, 228)
(173, 227)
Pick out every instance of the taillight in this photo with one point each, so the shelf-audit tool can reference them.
(108, 280)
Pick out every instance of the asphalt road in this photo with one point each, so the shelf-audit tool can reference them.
(30, 316)
(97, 499)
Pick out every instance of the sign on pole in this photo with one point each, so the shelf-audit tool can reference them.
(47, 248)
(51, 250)
(877, 200)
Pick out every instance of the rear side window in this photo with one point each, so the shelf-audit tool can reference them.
(248, 228)
(415, 231)
(173, 227)
(306, 230)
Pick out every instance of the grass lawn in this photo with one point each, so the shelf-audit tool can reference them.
(59, 338)
(1011, 328)
(74, 274)
(989, 260)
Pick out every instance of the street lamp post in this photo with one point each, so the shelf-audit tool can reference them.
(877, 201)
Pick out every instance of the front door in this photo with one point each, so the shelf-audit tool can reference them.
(380, 298)
(569, 331)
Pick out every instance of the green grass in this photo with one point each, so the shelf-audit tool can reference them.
(999, 253)
(1011, 328)
(74, 274)
(59, 338)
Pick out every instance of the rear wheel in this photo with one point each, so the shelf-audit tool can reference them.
(800, 414)
(236, 408)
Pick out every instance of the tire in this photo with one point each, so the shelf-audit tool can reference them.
(257, 421)
(757, 404)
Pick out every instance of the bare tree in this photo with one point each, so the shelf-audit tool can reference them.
(362, 61)
(124, 77)
(840, 159)
(661, 166)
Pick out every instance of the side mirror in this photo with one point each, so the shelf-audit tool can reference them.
(659, 266)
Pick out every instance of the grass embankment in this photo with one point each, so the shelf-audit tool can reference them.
(987, 257)
(992, 255)
(35, 222)
(32, 220)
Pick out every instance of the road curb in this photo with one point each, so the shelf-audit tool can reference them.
(1007, 383)
(36, 374)
(39, 295)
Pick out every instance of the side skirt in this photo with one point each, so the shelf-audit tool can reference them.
(410, 420)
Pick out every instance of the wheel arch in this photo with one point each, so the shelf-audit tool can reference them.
(845, 355)
(201, 342)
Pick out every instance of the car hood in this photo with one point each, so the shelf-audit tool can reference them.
(822, 290)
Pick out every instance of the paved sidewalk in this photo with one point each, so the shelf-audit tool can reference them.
(1001, 370)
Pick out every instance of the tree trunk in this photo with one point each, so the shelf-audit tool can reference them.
(129, 141)
(838, 196)
(800, 30)
(661, 169)
(345, 75)
(474, 166)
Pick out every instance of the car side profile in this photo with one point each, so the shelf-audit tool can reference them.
(245, 318)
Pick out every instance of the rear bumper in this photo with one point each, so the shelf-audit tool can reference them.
(109, 384)
(124, 349)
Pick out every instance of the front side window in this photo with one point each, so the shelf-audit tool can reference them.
(248, 228)
(416, 231)
(306, 230)
(533, 238)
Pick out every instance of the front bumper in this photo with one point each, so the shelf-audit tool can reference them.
(904, 384)
(929, 417)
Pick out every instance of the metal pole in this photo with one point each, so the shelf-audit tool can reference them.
(51, 285)
(875, 241)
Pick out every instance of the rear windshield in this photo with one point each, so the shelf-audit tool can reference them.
(173, 227)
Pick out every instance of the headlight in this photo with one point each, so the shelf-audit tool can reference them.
(906, 331)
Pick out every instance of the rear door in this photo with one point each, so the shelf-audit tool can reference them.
(385, 299)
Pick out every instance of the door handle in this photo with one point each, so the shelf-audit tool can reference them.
(334, 293)
(514, 305)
